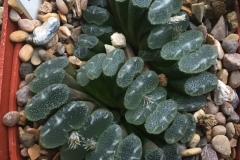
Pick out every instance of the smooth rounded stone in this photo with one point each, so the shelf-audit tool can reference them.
(191, 152)
(232, 37)
(232, 19)
(219, 9)
(230, 130)
(23, 95)
(214, 68)
(26, 25)
(230, 46)
(208, 25)
(235, 100)
(45, 55)
(211, 108)
(181, 146)
(233, 153)
(42, 157)
(24, 152)
(237, 130)
(219, 48)
(20, 131)
(220, 118)
(45, 8)
(231, 61)
(226, 108)
(36, 22)
(45, 17)
(233, 142)
(62, 17)
(203, 29)
(69, 26)
(75, 33)
(194, 141)
(234, 79)
(44, 33)
(60, 48)
(221, 144)
(36, 59)
(23, 119)
(118, 40)
(75, 61)
(61, 5)
(27, 139)
(14, 16)
(52, 42)
(11, 118)
(208, 153)
(54, 6)
(84, 4)
(234, 118)
(25, 53)
(29, 78)
(218, 130)
(35, 132)
(203, 142)
(222, 75)
(219, 31)
(18, 36)
(64, 32)
(33, 151)
(25, 68)
(69, 49)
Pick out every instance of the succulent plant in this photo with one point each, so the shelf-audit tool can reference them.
(147, 120)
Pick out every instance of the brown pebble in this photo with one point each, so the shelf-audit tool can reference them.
(23, 119)
(53, 49)
(69, 49)
(29, 77)
(45, 56)
(222, 75)
(18, 36)
(46, 7)
(221, 119)
(233, 142)
(36, 59)
(84, 5)
(33, 151)
(187, 10)
(35, 132)
(75, 61)
(64, 32)
(62, 6)
(75, 33)
(63, 18)
(11, 118)
(210, 39)
(26, 25)
(25, 53)
(22, 84)
(13, 4)
(218, 130)
(233, 153)
(24, 152)
(27, 139)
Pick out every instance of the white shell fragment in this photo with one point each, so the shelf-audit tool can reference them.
(109, 48)
(118, 40)
(221, 93)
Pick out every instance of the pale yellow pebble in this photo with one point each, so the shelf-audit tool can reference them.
(13, 4)
(75, 61)
(18, 36)
(43, 18)
(25, 53)
(191, 152)
(36, 59)
(194, 141)
(63, 18)
(64, 32)
(62, 7)
(33, 151)
(23, 120)
(69, 49)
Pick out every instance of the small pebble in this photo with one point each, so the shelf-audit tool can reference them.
(75, 61)
(45, 17)
(234, 117)
(75, 33)
(208, 153)
(13, 4)
(227, 108)
(232, 37)
(230, 130)
(36, 59)
(231, 61)
(36, 22)
(14, 16)
(45, 8)
(235, 100)
(234, 79)
(52, 42)
(194, 141)
(24, 152)
(45, 55)
(181, 146)
(35, 132)
(221, 93)
(84, 5)
(33, 151)
(26, 25)
(203, 142)
(219, 48)
(20, 131)
(25, 53)
(221, 119)
(219, 8)
(23, 119)
(64, 32)
(11, 118)
(221, 144)
(62, 6)
(219, 30)
(211, 108)
(23, 95)
(69, 49)
(218, 130)
(118, 40)
(18, 36)
(62, 17)
(27, 139)
(233, 153)
(230, 46)
(233, 142)
(191, 152)
(25, 68)
(222, 75)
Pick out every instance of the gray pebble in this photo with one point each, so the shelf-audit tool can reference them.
(234, 79)
(27, 139)
(14, 16)
(44, 33)
(220, 118)
(25, 68)
(235, 100)
(23, 95)
(230, 46)
(208, 153)
(230, 130)
(211, 108)
(203, 142)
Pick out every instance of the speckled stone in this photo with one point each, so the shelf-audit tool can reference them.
(219, 30)
(219, 8)
(25, 68)
(23, 95)
(231, 61)
(208, 153)
(211, 108)
(11, 118)
(221, 119)
(230, 46)
(27, 139)
(44, 33)
(14, 16)
(46, 7)
(221, 144)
